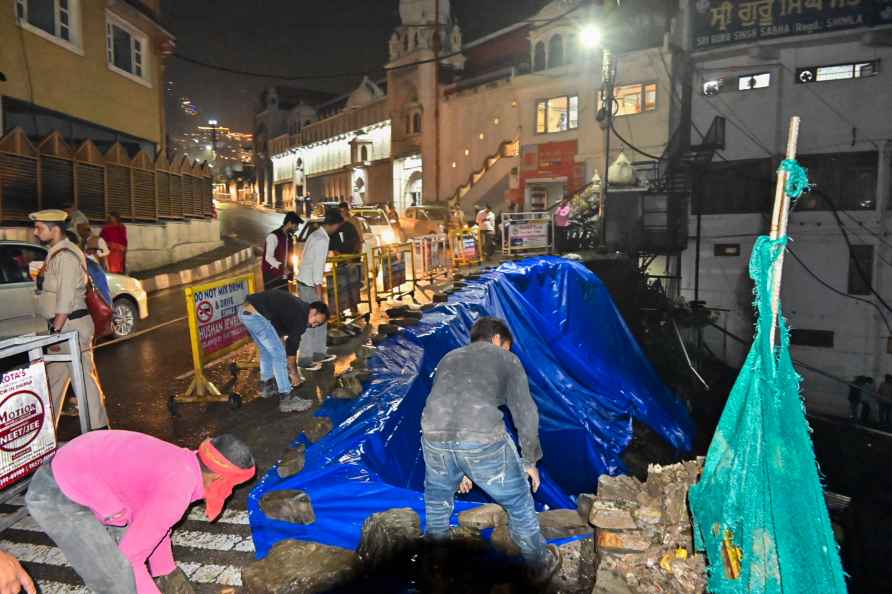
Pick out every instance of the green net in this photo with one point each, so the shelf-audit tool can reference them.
(759, 509)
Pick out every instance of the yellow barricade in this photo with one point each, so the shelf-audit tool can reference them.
(393, 271)
(344, 286)
(430, 257)
(214, 330)
(466, 247)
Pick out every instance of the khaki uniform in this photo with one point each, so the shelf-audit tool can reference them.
(64, 291)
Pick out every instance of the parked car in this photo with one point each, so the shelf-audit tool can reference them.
(18, 316)
(379, 224)
(424, 220)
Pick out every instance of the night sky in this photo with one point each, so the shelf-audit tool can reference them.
(295, 37)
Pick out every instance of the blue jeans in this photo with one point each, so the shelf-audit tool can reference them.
(273, 360)
(497, 469)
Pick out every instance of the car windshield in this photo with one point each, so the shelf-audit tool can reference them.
(372, 217)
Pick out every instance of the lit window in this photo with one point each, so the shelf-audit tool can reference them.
(637, 98)
(58, 18)
(749, 82)
(125, 47)
(557, 114)
(837, 72)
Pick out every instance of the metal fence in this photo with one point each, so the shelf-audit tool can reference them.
(53, 174)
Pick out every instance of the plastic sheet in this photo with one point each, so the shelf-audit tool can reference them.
(587, 375)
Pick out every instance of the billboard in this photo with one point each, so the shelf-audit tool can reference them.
(717, 23)
(27, 435)
(212, 309)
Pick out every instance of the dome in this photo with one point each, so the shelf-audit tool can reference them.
(419, 12)
(367, 92)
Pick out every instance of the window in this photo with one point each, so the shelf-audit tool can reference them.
(56, 18)
(726, 250)
(814, 338)
(846, 181)
(860, 270)
(364, 153)
(556, 51)
(126, 49)
(416, 123)
(571, 49)
(15, 261)
(748, 82)
(632, 99)
(814, 74)
(735, 187)
(539, 57)
(557, 114)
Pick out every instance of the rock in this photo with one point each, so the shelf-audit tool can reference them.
(466, 535)
(577, 571)
(387, 535)
(293, 461)
(459, 284)
(378, 338)
(318, 428)
(388, 329)
(634, 541)
(288, 506)
(343, 394)
(440, 298)
(648, 514)
(427, 307)
(501, 541)
(298, 567)
(175, 582)
(350, 382)
(584, 505)
(675, 503)
(561, 523)
(609, 582)
(612, 515)
(485, 516)
(405, 322)
(619, 487)
(397, 311)
(365, 352)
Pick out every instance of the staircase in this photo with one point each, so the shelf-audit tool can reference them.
(492, 176)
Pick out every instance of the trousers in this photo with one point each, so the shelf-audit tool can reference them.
(315, 340)
(273, 359)
(498, 470)
(90, 547)
(58, 375)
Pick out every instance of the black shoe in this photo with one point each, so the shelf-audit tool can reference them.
(268, 388)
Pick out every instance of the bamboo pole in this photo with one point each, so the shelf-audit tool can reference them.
(779, 219)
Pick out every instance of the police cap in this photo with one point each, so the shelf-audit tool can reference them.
(49, 215)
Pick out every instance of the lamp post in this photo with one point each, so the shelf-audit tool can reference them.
(213, 125)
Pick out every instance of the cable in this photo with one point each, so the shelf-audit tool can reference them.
(632, 146)
(837, 291)
(867, 229)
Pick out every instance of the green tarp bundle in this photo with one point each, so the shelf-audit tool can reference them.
(759, 508)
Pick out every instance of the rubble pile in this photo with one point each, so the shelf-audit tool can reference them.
(645, 538)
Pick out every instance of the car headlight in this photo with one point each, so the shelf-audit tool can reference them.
(389, 236)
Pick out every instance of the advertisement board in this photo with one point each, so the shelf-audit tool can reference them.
(212, 309)
(27, 434)
(717, 23)
(529, 234)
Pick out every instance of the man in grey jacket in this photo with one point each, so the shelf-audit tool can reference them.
(465, 442)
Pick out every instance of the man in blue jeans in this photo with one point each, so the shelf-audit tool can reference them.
(268, 316)
(465, 442)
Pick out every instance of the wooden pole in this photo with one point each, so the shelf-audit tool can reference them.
(779, 219)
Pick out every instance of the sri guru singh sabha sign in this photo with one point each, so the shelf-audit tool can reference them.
(718, 23)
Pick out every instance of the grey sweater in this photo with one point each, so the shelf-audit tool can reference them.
(470, 385)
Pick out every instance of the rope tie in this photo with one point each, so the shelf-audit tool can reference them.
(797, 178)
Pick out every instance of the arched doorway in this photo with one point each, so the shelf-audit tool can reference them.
(412, 194)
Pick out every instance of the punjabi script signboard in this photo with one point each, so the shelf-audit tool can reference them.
(27, 434)
(214, 326)
(717, 23)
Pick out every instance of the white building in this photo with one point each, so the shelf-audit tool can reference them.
(756, 64)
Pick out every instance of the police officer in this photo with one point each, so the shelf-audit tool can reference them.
(61, 293)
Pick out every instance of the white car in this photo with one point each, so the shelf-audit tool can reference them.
(18, 315)
(378, 222)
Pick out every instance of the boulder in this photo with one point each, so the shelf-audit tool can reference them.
(288, 506)
(318, 427)
(388, 329)
(343, 394)
(378, 338)
(562, 523)
(405, 322)
(501, 541)
(298, 567)
(174, 583)
(428, 307)
(388, 535)
(485, 516)
(619, 487)
(440, 298)
(627, 541)
(612, 515)
(293, 461)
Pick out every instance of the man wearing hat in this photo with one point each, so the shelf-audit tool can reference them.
(109, 500)
(61, 289)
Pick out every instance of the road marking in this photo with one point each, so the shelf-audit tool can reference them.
(138, 334)
(48, 587)
(229, 516)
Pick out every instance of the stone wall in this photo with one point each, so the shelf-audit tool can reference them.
(153, 245)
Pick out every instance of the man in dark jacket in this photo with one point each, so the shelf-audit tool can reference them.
(268, 316)
(464, 440)
(277, 253)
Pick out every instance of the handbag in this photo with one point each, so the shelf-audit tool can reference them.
(99, 309)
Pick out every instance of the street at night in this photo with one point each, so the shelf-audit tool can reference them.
(435, 296)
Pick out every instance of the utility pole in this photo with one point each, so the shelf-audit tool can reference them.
(608, 67)
(436, 47)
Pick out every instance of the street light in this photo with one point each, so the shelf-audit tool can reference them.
(590, 37)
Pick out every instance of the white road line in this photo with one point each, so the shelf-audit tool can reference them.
(229, 516)
(48, 587)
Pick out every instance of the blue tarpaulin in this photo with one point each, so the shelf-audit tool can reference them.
(587, 374)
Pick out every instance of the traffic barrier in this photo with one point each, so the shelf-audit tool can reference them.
(430, 257)
(344, 279)
(527, 233)
(393, 271)
(466, 247)
(214, 331)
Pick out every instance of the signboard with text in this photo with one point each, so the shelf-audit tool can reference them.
(214, 326)
(27, 433)
(551, 160)
(526, 231)
(717, 23)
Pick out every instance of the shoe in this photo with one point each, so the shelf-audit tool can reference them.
(320, 358)
(268, 388)
(291, 402)
(309, 366)
(545, 572)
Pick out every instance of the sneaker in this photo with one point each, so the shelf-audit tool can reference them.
(291, 402)
(268, 388)
(546, 571)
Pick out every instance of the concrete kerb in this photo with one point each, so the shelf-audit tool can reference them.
(169, 280)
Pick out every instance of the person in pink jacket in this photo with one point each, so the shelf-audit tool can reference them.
(109, 499)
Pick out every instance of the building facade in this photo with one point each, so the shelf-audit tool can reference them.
(754, 69)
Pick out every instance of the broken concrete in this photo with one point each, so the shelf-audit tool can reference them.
(577, 571)
(298, 567)
(318, 428)
(486, 516)
(584, 504)
(293, 461)
(174, 583)
(388, 535)
(612, 515)
(562, 523)
(288, 506)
